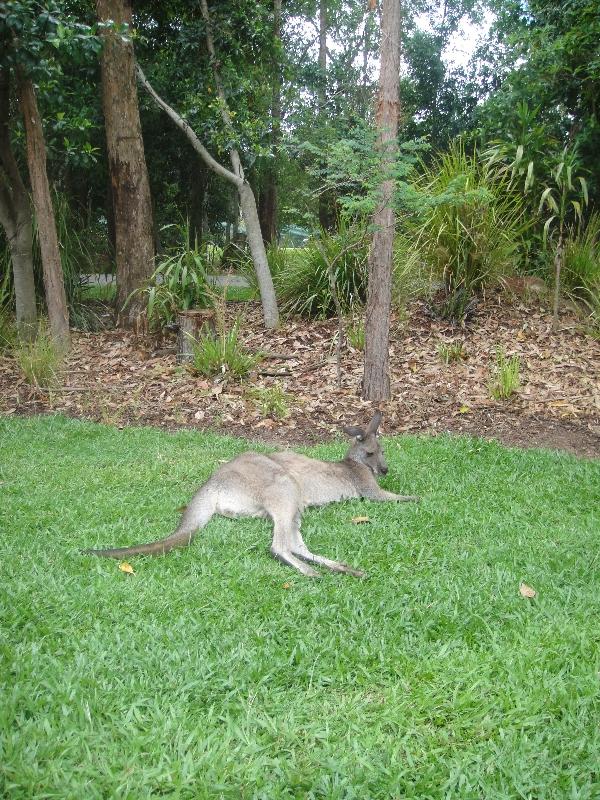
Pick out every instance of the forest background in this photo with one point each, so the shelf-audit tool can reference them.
(496, 173)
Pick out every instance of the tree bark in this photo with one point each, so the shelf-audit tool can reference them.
(130, 188)
(376, 380)
(270, 199)
(56, 300)
(326, 198)
(16, 219)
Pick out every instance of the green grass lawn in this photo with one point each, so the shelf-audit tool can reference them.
(217, 672)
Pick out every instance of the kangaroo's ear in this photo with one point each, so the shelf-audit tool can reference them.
(355, 432)
(375, 422)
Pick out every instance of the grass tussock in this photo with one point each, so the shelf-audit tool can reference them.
(40, 360)
(218, 672)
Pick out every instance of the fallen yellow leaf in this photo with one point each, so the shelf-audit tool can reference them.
(286, 585)
(527, 591)
(360, 520)
(464, 410)
(125, 567)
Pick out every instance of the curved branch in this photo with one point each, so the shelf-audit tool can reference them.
(211, 162)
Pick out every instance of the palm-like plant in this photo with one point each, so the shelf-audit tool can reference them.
(565, 197)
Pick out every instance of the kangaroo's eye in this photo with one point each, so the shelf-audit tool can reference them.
(371, 453)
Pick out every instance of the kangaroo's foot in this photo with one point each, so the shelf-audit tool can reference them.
(382, 494)
(287, 557)
(334, 566)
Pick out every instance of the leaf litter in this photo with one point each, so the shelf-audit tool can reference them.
(117, 378)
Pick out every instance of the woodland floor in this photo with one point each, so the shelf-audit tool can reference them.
(118, 378)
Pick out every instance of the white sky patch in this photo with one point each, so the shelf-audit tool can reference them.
(464, 42)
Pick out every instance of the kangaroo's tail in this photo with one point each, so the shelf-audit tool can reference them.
(181, 538)
(196, 515)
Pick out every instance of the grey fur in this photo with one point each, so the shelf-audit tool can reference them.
(280, 486)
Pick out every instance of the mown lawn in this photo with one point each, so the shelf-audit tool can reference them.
(217, 672)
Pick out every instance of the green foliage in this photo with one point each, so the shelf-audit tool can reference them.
(177, 284)
(355, 332)
(202, 674)
(411, 276)
(8, 328)
(452, 351)
(39, 360)
(581, 268)
(505, 379)
(565, 196)
(224, 355)
(83, 247)
(271, 401)
(303, 286)
(470, 229)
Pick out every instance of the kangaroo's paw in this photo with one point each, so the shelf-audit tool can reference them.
(286, 557)
(334, 566)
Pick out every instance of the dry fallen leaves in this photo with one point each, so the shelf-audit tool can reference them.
(526, 591)
(360, 520)
(126, 568)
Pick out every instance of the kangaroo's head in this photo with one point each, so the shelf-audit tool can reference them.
(366, 448)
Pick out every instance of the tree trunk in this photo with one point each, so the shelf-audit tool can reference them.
(269, 198)
(248, 203)
(558, 259)
(56, 300)
(197, 207)
(15, 218)
(327, 215)
(192, 325)
(134, 243)
(376, 381)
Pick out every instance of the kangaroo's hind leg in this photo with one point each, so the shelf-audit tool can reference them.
(300, 549)
(282, 504)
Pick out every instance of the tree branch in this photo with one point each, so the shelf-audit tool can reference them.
(183, 126)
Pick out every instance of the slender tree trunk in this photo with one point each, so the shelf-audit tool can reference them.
(376, 381)
(56, 300)
(236, 177)
(269, 199)
(16, 219)
(326, 198)
(130, 188)
(558, 259)
(198, 188)
(255, 240)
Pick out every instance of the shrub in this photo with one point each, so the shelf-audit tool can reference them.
(453, 351)
(177, 284)
(39, 360)
(271, 401)
(469, 228)
(581, 265)
(303, 284)
(505, 379)
(355, 333)
(224, 355)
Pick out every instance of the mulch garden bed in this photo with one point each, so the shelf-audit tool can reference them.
(122, 379)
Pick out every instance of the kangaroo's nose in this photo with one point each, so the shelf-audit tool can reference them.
(384, 470)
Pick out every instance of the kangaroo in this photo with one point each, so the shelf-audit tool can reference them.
(280, 486)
